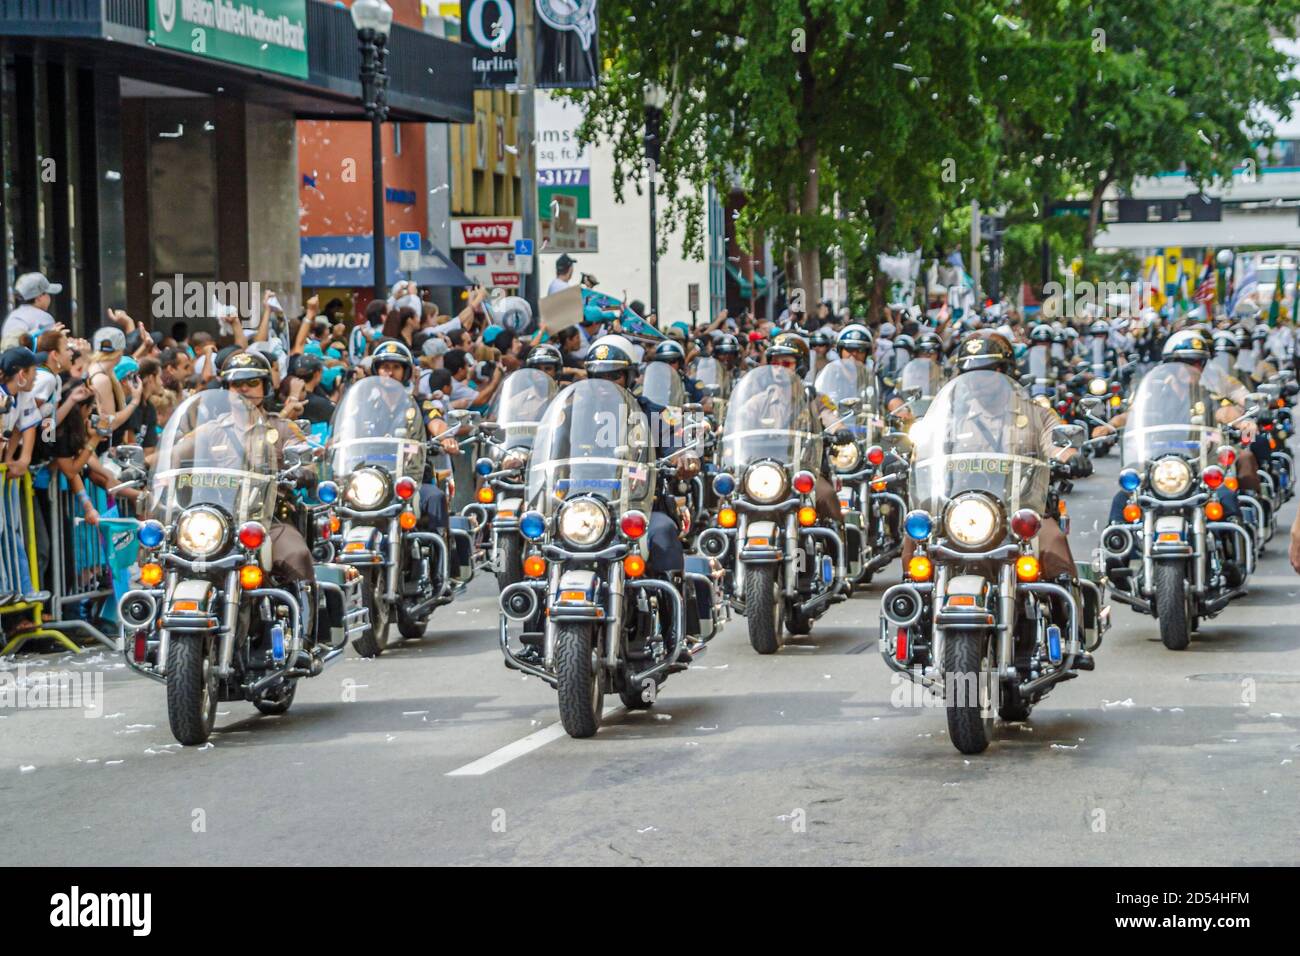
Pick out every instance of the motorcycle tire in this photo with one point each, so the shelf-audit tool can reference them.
(512, 561)
(965, 662)
(1171, 605)
(374, 641)
(282, 703)
(1101, 451)
(581, 695)
(192, 688)
(411, 629)
(763, 614)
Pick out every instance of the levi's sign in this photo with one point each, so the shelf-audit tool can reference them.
(266, 35)
(485, 233)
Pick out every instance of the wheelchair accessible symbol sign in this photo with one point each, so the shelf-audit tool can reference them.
(408, 251)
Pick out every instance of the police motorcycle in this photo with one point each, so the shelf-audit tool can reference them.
(918, 384)
(662, 384)
(1040, 363)
(854, 454)
(503, 469)
(973, 621)
(1176, 553)
(592, 621)
(785, 567)
(378, 462)
(213, 619)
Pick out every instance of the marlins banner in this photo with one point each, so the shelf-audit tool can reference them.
(489, 26)
(567, 50)
(266, 35)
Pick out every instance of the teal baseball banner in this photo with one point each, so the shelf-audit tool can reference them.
(266, 35)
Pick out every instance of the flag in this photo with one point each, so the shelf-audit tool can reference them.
(1180, 287)
(1275, 307)
(1247, 286)
(1155, 296)
(1206, 289)
(1295, 299)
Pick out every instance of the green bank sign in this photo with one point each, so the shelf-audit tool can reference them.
(263, 34)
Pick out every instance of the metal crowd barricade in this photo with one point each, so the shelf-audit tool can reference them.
(80, 559)
(20, 585)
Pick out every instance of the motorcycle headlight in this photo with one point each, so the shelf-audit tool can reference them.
(765, 483)
(846, 457)
(367, 489)
(583, 522)
(971, 522)
(201, 532)
(1171, 477)
(1098, 386)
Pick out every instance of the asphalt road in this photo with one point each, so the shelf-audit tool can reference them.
(1157, 757)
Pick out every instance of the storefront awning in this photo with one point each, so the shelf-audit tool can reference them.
(345, 262)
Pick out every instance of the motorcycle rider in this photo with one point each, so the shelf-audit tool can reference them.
(1190, 346)
(790, 350)
(248, 375)
(988, 350)
(611, 358)
(392, 360)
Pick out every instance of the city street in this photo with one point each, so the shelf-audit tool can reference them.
(435, 753)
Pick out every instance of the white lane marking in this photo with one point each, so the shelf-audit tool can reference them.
(526, 745)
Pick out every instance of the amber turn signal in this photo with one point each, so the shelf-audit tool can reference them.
(151, 574)
(727, 518)
(1132, 513)
(807, 516)
(406, 520)
(534, 566)
(250, 577)
(1027, 568)
(1214, 510)
(920, 568)
(634, 565)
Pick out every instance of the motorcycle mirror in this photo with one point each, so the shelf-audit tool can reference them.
(1090, 403)
(130, 455)
(490, 428)
(1026, 379)
(713, 391)
(304, 424)
(1068, 436)
(849, 404)
(692, 408)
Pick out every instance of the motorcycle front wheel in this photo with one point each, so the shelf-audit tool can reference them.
(763, 612)
(376, 639)
(966, 665)
(582, 697)
(191, 688)
(1171, 605)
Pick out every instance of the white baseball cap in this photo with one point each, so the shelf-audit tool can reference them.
(32, 285)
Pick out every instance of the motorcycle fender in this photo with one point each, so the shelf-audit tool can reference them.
(360, 538)
(197, 590)
(1170, 537)
(967, 586)
(577, 582)
(510, 507)
(764, 531)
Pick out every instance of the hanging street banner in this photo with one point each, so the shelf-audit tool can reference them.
(489, 27)
(568, 55)
(563, 165)
(269, 35)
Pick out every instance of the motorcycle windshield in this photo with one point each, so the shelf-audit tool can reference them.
(521, 403)
(1097, 350)
(377, 423)
(769, 417)
(593, 440)
(661, 384)
(709, 371)
(217, 449)
(981, 433)
(922, 373)
(1172, 414)
(1039, 363)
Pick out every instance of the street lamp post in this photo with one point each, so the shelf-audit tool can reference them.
(373, 19)
(655, 97)
(1224, 259)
